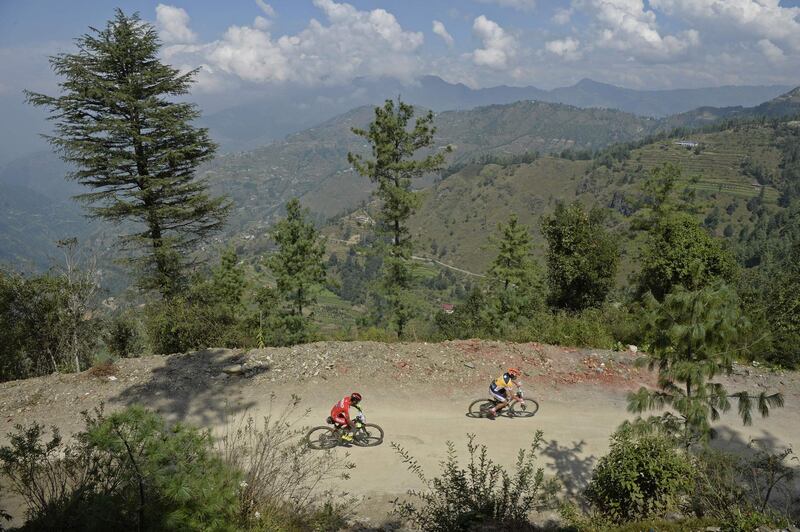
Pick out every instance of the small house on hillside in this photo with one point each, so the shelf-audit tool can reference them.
(448, 308)
(686, 143)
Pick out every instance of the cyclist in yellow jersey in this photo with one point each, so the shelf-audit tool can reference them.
(500, 390)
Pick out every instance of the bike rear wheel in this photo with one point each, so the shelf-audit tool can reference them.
(526, 409)
(368, 435)
(479, 407)
(322, 438)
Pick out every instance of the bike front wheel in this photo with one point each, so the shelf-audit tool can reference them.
(526, 409)
(368, 435)
(479, 408)
(322, 438)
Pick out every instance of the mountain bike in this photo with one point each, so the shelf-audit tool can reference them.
(517, 407)
(329, 436)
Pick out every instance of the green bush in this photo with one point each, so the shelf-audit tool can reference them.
(46, 325)
(587, 328)
(122, 336)
(192, 321)
(478, 495)
(602, 328)
(641, 477)
(124, 471)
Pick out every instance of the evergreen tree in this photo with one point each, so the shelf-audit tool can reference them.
(134, 148)
(771, 295)
(582, 257)
(680, 252)
(661, 197)
(694, 335)
(392, 168)
(298, 268)
(227, 281)
(514, 278)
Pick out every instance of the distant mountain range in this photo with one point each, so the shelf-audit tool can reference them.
(284, 111)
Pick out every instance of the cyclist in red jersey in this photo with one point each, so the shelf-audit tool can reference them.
(340, 413)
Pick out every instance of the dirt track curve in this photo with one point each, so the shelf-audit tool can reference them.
(417, 392)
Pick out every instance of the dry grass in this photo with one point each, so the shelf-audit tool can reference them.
(281, 475)
(103, 369)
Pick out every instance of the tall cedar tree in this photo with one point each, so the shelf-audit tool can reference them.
(514, 275)
(393, 168)
(694, 339)
(582, 257)
(298, 266)
(134, 147)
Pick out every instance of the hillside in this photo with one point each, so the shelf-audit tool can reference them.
(458, 214)
(312, 165)
(786, 104)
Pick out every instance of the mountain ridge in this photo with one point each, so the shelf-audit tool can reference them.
(282, 112)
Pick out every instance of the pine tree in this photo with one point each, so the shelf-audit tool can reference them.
(393, 168)
(227, 281)
(582, 257)
(694, 339)
(134, 148)
(298, 268)
(514, 278)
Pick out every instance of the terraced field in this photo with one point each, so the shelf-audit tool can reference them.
(717, 165)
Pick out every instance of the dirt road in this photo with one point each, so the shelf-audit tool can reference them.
(417, 392)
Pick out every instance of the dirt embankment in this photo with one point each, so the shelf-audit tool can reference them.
(418, 392)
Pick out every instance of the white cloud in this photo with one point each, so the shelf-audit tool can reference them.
(261, 23)
(628, 26)
(266, 8)
(498, 46)
(522, 5)
(760, 19)
(770, 51)
(352, 43)
(441, 31)
(567, 48)
(562, 16)
(173, 24)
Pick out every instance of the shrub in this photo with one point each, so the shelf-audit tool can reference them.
(587, 328)
(126, 470)
(479, 495)
(744, 491)
(191, 321)
(641, 477)
(45, 325)
(122, 337)
(280, 473)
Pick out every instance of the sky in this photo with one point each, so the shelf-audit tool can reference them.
(240, 43)
(246, 47)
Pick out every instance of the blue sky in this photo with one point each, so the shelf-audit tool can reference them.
(246, 47)
(242, 43)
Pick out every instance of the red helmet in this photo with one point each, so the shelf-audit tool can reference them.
(355, 397)
(513, 372)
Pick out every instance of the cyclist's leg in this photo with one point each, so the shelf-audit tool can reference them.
(501, 401)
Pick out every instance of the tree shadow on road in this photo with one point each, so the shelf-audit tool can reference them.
(573, 468)
(193, 386)
(786, 495)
